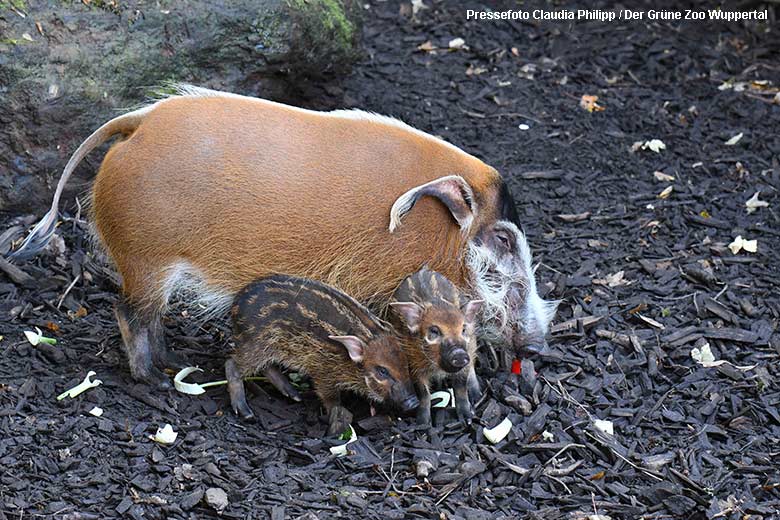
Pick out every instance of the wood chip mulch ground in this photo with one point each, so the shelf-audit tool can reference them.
(634, 241)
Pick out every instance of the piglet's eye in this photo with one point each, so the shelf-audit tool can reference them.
(434, 333)
(381, 373)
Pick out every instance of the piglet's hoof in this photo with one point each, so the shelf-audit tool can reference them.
(423, 416)
(244, 411)
(339, 420)
(465, 414)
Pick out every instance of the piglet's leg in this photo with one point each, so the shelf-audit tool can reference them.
(281, 382)
(236, 390)
(462, 401)
(475, 392)
(339, 418)
(424, 410)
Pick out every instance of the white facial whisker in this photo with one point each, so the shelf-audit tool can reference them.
(507, 284)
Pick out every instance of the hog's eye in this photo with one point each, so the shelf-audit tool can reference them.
(381, 373)
(503, 239)
(465, 330)
(434, 333)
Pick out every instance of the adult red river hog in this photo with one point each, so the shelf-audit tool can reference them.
(208, 191)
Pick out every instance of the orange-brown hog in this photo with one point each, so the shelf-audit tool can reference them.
(208, 191)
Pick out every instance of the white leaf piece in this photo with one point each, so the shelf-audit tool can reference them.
(443, 398)
(457, 43)
(417, 6)
(96, 411)
(753, 203)
(499, 432)
(736, 245)
(604, 426)
(81, 387)
(703, 355)
(549, 437)
(667, 191)
(656, 145)
(165, 435)
(663, 177)
(341, 449)
(187, 388)
(37, 337)
(734, 140)
(720, 362)
(739, 243)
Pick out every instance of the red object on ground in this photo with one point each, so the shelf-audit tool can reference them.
(516, 367)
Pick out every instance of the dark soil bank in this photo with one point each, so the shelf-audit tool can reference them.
(634, 241)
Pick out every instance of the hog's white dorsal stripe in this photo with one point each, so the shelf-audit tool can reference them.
(184, 90)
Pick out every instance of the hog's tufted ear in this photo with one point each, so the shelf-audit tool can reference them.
(453, 191)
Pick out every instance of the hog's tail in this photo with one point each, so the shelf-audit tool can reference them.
(44, 230)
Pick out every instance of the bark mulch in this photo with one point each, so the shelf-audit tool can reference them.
(641, 264)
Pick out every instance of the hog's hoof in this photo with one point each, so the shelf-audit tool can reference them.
(167, 358)
(339, 420)
(155, 378)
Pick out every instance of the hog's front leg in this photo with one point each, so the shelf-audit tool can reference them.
(462, 402)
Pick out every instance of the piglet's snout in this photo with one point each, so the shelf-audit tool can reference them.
(454, 357)
(459, 358)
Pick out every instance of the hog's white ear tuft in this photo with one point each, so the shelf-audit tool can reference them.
(453, 191)
(471, 309)
(354, 346)
(410, 313)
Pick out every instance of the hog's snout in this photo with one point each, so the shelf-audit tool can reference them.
(410, 403)
(523, 346)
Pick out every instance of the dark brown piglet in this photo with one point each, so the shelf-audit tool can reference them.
(444, 344)
(305, 325)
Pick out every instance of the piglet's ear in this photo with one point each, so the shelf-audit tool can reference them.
(471, 309)
(410, 313)
(354, 346)
(453, 191)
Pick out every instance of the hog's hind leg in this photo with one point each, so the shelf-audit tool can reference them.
(135, 328)
(162, 356)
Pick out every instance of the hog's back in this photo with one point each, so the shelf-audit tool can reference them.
(240, 188)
